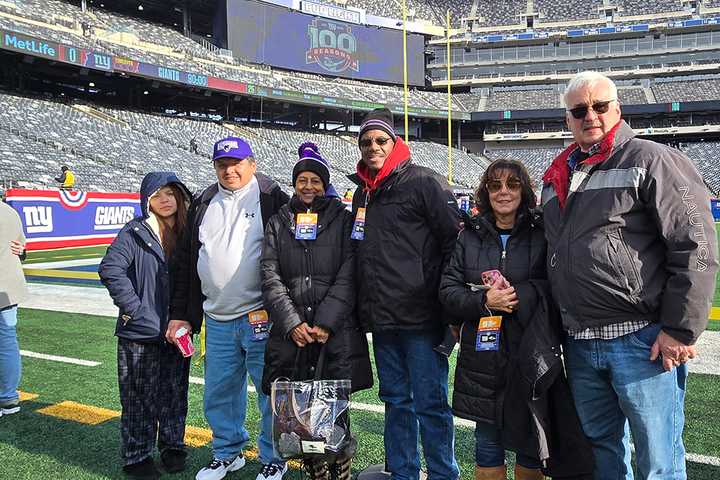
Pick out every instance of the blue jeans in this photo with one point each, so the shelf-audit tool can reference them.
(489, 450)
(10, 367)
(230, 355)
(617, 389)
(413, 385)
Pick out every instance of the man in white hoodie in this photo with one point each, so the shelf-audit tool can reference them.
(217, 276)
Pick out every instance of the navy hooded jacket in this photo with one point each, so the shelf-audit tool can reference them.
(136, 272)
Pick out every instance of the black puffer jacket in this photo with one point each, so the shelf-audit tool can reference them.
(312, 281)
(480, 377)
(411, 225)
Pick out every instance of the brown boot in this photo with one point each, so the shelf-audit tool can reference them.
(522, 473)
(317, 470)
(490, 473)
(340, 470)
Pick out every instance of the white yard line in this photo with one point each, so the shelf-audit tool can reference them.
(58, 358)
(366, 407)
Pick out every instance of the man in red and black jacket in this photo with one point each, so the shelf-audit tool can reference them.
(632, 258)
(406, 223)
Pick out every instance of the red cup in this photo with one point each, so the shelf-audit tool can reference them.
(184, 343)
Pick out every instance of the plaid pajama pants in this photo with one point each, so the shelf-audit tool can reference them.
(153, 381)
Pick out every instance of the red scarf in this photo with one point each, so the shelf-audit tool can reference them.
(558, 173)
(399, 154)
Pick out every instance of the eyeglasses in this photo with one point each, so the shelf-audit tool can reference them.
(512, 184)
(597, 107)
(380, 141)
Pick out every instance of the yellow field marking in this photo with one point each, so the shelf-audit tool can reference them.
(715, 313)
(252, 454)
(77, 412)
(197, 437)
(25, 396)
(61, 274)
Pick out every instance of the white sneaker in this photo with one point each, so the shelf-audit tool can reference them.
(272, 471)
(219, 468)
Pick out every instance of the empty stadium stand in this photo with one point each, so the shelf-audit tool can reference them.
(112, 149)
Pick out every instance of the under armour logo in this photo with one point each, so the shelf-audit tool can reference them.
(248, 215)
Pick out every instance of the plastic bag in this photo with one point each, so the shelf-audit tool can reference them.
(310, 418)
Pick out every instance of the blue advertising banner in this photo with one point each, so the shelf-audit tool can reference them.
(57, 219)
(34, 46)
(266, 34)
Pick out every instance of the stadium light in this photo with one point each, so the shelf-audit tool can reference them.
(91, 84)
(145, 92)
(141, 8)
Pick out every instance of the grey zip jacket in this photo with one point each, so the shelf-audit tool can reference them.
(630, 237)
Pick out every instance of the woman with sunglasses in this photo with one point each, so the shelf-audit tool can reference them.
(504, 236)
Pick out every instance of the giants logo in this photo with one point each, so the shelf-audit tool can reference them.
(332, 46)
(38, 219)
(112, 217)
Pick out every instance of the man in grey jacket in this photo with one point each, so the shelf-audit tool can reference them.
(12, 291)
(632, 258)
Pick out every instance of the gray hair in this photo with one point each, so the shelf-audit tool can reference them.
(588, 79)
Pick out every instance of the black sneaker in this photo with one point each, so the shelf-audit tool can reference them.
(144, 470)
(9, 408)
(272, 471)
(173, 460)
(219, 468)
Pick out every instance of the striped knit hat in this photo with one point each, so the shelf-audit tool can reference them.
(378, 119)
(310, 160)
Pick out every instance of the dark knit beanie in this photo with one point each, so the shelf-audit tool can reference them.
(378, 119)
(310, 160)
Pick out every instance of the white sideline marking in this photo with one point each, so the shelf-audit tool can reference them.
(57, 358)
(706, 459)
(365, 407)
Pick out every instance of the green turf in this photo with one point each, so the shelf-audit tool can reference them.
(65, 254)
(34, 446)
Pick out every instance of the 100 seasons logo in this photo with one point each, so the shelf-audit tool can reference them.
(332, 46)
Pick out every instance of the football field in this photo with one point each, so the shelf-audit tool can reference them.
(68, 427)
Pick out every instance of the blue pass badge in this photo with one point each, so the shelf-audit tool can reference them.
(488, 334)
(259, 324)
(306, 226)
(358, 230)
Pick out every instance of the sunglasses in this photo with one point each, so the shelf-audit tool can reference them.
(366, 142)
(512, 184)
(597, 107)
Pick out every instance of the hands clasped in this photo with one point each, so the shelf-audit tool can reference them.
(303, 334)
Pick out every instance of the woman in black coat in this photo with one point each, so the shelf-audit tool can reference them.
(504, 236)
(309, 291)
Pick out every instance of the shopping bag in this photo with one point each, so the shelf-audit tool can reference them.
(310, 418)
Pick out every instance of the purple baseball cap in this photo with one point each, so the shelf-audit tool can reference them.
(232, 147)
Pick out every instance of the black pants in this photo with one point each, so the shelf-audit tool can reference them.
(153, 380)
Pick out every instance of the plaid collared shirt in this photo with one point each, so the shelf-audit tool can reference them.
(608, 332)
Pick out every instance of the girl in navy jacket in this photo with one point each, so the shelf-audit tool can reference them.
(152, 374)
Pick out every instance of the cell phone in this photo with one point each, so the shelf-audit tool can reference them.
(476, 286)
(489, 277)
